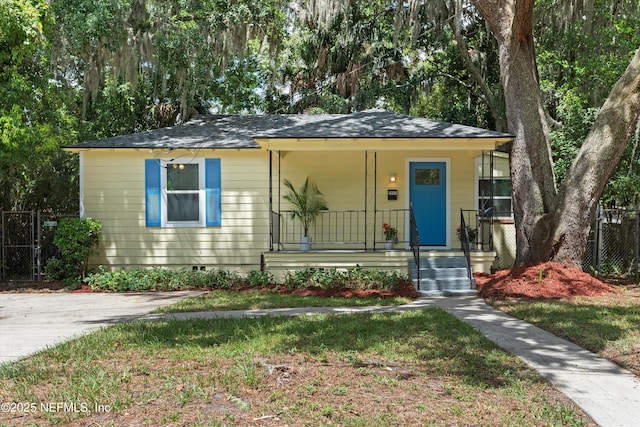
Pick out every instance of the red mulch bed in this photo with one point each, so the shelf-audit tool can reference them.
(404, 289)
(543, 281)
(558, 281)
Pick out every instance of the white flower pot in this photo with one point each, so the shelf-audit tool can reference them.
(388, 244)
(305, 243)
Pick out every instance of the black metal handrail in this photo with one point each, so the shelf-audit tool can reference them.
(464, 240)
(414, 242)
(345, 229)
(479, 227)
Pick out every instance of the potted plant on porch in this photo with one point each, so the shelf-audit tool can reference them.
(307, 202)
(471, 232)
(390, 235)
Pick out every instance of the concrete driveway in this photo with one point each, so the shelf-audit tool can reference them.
(30, 322)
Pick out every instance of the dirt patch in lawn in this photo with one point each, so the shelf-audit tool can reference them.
(543, 281)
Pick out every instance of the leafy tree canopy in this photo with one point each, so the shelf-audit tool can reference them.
(34, 115)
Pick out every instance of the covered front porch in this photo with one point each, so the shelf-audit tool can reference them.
(362, 231)
(341, 241)
(376, 222)
(398, 190)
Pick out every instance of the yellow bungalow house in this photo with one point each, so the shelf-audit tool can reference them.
(209, 193)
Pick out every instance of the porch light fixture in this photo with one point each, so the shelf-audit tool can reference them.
(392, 177)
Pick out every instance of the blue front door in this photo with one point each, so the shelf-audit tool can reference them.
(428, 195)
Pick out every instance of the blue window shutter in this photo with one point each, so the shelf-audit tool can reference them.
(212, 192)
(152, 192)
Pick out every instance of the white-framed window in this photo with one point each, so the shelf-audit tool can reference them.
(182, 193)
(501, 200)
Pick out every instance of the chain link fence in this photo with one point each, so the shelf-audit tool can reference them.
(504, 243)
(614, 243)
(612, 249)
(26, 244)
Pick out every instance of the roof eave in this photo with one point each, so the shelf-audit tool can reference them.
(79, 148)
(380, 144)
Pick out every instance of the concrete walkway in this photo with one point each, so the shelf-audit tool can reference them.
(30, 322)
(609, 394)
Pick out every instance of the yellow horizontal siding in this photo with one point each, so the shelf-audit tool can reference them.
(504, 241)
(339, 177)
(185, 247)
(280, 263)
(114, 193)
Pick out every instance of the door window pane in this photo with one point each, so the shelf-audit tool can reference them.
(427, 177)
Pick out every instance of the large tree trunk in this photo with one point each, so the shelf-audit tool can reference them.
(596, 161)
(532, 175)
(553, 225)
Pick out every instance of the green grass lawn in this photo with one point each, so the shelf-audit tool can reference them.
(422, 367)
(220, 299)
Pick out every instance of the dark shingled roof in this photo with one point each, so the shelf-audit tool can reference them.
(240, 131)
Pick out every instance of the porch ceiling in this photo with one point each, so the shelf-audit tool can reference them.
(380, 144)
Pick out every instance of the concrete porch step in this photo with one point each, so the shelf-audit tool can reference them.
(441, 262)
(442, 276)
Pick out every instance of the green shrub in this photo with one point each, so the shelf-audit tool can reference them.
(77, 239)
(55, 269)
(298, 278)
(260, 278)
(225, 279)
(161, 279)
(355, 278)
(373, 279)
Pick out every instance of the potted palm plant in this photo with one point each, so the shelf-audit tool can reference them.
(307, 202)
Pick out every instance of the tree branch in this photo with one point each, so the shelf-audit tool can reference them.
(490, 11)
(476, 75)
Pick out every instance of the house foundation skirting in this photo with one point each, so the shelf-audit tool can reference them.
(281, 262)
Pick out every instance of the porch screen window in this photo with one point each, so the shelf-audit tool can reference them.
(502, 204)
(182, 194)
